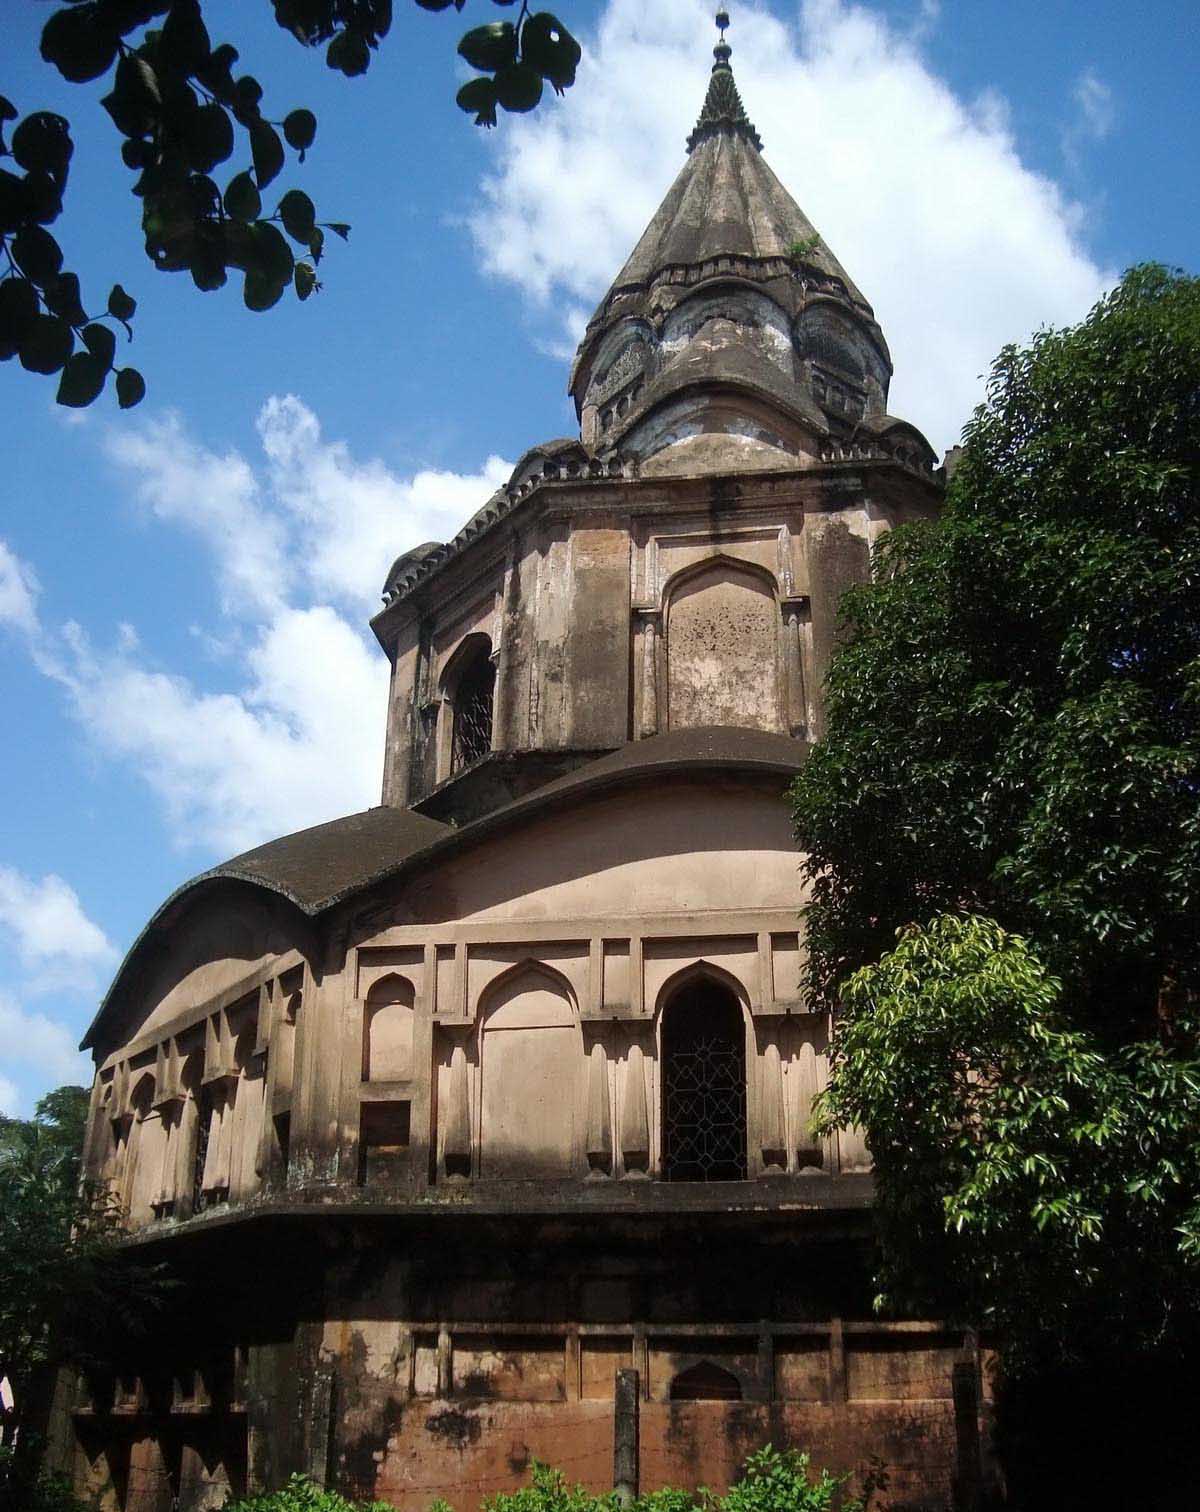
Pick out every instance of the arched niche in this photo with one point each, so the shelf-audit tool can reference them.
(703, 1092)
(388, 1017)
(531, 1073)
(706, 1382)
(728, 314)
(468, 687)
(723, 633)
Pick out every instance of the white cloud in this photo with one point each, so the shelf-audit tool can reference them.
(1094, 114)
(315, 523)
(299, 741)
(216, 497)
(37, 1051)
(47, 923)
(920, 193)
(351, 519)
(48, 944)
(18, 592)
(301, 545)
(10, 1099)
(1095, 104)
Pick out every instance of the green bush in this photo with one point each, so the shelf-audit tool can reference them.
(549, 1492)
(779, 1482)
(772, 1481)
(301, 1495)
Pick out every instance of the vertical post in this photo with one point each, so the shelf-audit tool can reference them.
(651, 620)
(837, 1361)
(626, 1402)
(795, 613)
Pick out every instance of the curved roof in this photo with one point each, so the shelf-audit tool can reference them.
(316, 868)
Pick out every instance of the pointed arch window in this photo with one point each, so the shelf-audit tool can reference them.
(472, 698)
(703, 1084)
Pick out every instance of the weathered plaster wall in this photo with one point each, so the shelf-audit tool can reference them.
(576, 599)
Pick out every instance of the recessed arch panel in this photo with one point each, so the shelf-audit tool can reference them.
(723, 649)
(706, 1382)
(531, 1064)
(388, 1018)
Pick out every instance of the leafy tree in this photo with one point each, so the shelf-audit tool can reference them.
(181, 109)
(1012, 780)
(1011, 785)
(1028, 1179)
(67, 1294)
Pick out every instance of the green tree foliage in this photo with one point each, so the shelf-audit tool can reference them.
(1014, 732)
(1030, 1178)
(771, 1481)
(301, 1495)
(67, 1294)
(182, 109)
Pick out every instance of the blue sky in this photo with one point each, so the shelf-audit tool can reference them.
(184, 589)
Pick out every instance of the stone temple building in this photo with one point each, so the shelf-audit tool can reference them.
(451, 1110)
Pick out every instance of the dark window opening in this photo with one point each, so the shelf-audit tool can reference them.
(203, 1131)
(283, 1139)
(706, 1382)
(704, 1085)
(383, 1141)
(474, 698)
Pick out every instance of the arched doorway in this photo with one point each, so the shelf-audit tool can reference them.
(703, 1084)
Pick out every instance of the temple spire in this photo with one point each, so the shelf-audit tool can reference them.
(723, 110)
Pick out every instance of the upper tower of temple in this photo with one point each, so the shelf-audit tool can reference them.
(731, 317)
(679, 563)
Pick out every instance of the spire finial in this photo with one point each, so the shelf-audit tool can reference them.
(723, 111)
(722, 52)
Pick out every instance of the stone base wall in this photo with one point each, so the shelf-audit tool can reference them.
(408, 1363)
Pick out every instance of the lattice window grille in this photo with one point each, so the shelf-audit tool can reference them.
(704, 1110)
(473, 707)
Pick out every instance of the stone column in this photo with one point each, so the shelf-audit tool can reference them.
(456, 1148)
(772, 1141)
(635, 1123)
(599, 1117)
(651, 627)
(795, 619)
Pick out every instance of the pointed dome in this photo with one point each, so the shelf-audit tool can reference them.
(729, 280)
(726, 202)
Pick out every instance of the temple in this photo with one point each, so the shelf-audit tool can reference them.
(451, 1111)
